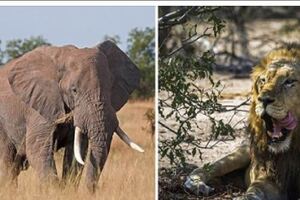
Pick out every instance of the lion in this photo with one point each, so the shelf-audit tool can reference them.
(272, 157)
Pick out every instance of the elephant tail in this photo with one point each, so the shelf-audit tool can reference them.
(127, 140)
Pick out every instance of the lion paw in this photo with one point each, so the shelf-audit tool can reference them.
(248, 197)
(195, 185)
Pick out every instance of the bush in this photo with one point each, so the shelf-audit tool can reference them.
(141, 50)
(179, 69)
(18, 47)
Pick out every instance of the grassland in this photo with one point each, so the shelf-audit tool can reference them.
(127, 173)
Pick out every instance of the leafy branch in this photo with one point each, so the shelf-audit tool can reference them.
(181, 97)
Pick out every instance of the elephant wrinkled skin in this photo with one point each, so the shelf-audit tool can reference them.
(51, 92)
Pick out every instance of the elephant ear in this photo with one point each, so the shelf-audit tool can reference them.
(126, 75)
(33, 78)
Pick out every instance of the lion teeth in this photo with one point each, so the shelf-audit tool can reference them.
(274, 134)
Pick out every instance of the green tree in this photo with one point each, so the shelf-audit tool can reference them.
(141, 49)
(18, 47)
(1, 54)
(181, 66)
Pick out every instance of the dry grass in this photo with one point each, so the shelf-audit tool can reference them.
(127, 173)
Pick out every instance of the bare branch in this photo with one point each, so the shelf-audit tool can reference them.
(189, 41)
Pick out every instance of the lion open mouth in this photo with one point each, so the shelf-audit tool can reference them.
(278, 130)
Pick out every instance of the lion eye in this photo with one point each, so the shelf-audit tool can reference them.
(262, 80)
(290, 83)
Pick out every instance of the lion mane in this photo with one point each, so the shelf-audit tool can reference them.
(290, 52)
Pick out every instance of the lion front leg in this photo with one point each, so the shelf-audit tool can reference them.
(197, 181)
(262, 190)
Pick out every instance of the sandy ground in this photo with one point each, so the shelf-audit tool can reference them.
(236, 91)
(127, 173)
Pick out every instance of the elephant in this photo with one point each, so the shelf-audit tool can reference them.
(63, 97)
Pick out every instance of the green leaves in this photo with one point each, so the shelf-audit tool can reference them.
(178, 77)
(1, 54)
(141, 49)
(219, 128)
(182, 98)
(18, 47)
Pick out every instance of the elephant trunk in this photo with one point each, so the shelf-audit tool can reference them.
(98, 120)
(99, 123)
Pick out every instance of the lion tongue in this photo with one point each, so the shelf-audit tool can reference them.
(289, 123)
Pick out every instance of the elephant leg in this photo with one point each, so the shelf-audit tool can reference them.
(39, 151)
(72, 170)
(262, 189)
(9, 165)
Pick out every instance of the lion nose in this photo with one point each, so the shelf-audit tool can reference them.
(266, 100)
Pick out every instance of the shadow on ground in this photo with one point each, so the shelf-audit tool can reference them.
(171, 182)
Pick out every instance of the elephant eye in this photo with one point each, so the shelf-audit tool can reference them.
(74, 90)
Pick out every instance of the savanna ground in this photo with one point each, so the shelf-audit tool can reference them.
(127, 174)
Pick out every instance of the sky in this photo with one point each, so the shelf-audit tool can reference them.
(80, 26)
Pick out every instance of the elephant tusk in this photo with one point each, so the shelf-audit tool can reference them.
(127, 140)
(77, 145)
